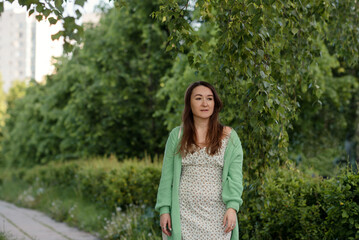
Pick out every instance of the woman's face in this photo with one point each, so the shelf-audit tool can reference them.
(202, 102)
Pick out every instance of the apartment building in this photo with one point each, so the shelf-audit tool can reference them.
(26, 48)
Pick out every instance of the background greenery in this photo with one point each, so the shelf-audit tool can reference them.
(115, 200)
(287, 72)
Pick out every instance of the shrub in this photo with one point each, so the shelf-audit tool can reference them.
(132, 224)
(285, 204)
(105, 182)
(342, 207)
(288, 204)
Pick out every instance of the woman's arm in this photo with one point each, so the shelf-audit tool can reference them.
(164, 193)
(233, 186)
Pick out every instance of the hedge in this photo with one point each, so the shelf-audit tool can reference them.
(285, 204)
(108, 183)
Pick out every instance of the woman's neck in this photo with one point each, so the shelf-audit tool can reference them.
(201, 124)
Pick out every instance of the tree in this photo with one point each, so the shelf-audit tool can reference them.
(2, 103)
(261, 61)
(323, 132)
(101, 99)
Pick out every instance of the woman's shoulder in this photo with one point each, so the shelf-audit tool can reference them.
(227, 130)
(176, 131)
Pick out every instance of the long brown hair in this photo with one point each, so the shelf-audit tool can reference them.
(215, 128)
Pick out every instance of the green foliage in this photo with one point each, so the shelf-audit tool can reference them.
(271, 62)
(22, 131)
(85, 193)
(53, 11)
(173, 87)
(17, 91)
(260, 61)
(90, 105)
(320, 161)
(2, 104)
(62, 204)
(6, 236)
(288, 204)
(285, 204)
(107, 183)
(326, 120)
(137, 223)
(342, 207)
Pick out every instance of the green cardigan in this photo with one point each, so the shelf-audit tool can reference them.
(232, 187)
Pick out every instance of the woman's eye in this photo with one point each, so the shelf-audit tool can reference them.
(210, 99)
(198, 98)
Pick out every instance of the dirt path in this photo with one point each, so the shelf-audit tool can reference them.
(29, 224)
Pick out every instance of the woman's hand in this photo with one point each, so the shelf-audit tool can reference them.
(165, 222)
(230, 218)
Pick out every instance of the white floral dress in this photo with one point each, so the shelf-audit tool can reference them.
(200, 194)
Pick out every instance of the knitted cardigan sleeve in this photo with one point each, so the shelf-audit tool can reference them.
(233, 185)
(164, 194)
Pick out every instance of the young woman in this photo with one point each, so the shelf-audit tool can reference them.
(201, 183)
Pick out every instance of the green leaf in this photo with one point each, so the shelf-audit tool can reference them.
(31, 12)
(68, 47)
(80, 2)
(345, 214)
(52, 20)
(190, 59)
(39, 8)
(294, 30)
(78, 13)
(1, 7)
(46, 12)
(57, 35)
(58, 5)
(260, 52)
(266, 84)
(39, 17)
(263, 75)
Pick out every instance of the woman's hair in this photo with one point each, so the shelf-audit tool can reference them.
(215, 129)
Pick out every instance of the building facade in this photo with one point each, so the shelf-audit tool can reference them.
(26, 48)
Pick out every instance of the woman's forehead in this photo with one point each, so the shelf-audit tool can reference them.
(201, 90)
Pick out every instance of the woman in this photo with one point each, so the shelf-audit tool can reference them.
(201, 183)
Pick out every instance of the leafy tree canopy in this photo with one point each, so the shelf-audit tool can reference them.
(263, 60)
(101, 99)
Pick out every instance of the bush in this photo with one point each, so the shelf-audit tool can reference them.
(285, 204)
(105, 182)
(288, 204)
(136, 223)
(342, 207)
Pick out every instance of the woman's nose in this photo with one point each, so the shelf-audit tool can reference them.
(204, 103)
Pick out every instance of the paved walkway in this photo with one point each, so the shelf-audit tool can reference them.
(27, 224)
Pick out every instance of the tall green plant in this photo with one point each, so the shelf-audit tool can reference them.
(260, 61)
(102, 99)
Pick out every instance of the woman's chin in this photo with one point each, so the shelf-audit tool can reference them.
(203, 116)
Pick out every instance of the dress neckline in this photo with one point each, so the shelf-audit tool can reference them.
(223, 140)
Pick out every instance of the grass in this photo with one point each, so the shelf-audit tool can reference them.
(66, 204)
(7, 236)
(62, 204)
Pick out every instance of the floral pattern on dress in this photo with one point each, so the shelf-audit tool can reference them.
(200, 194)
